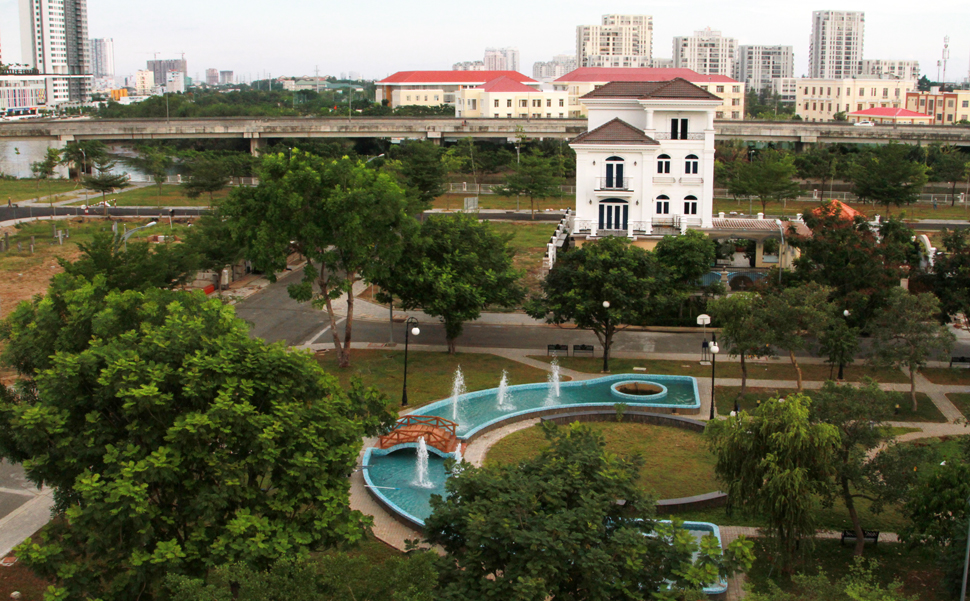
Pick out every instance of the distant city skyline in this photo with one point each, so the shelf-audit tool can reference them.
(380, 38)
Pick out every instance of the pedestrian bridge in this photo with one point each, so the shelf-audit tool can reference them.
(260, 130)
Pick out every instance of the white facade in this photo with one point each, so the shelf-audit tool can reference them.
(890, 69)
(103, 57)
(507, 99)
(619, 41)
(144, 82)
(835, 48)
(821, 99)
(647, 161)
(706, 52)
(557, 67)
(174, 82)
(54, 40)
(758, 66)
(501, 59)
(468, 66)
(786, 88)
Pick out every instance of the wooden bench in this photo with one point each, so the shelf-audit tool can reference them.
(963, 360)
(584, 348)
(869, 536)
(555, 349)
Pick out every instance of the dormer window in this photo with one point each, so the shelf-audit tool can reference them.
(663, 163)
(691, 164)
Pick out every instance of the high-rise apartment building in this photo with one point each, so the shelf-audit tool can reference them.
(103, 57)
(226, 78)
(54, 40)
(468, 66)
(619, 41)
(758, 65)
(707, 52)
(161, 68)
(212, 77)
(557, 67)
(890, 69)
(144, 82)
(501, 59)
(835, 49)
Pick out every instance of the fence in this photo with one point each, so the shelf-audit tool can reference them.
(472, 188)
(847, 197)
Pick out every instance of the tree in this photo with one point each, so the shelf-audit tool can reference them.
(838, 343)
(173, 441)
(211, 241)
(775, 464)
(820, 163)
(863, 583)
(793, 315)
(906, 334)
(105, 181)
(534, 176)
(207, 176)
(423, 170)
(689, 257)
(611, 271)
(770, 177)
(44, 171)
(81, 155)
(453, 269)
(551, 528)
(950, 279)
(744, 330)
(888, 176)
(139, 266)
(348, 221)
(949, 164)
(156, 161)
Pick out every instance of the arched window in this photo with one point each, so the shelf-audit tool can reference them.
(614, 213)
(691, 164)
(663, 205)
(690, 205)
(614, 174)
(663, 163)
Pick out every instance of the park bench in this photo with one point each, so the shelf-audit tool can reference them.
(583, 348)
(962, 360)
(869, 536)
(555, 349)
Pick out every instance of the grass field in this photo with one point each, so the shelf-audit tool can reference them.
(430, 375)
(678, 463)
(726, 395)
(18, 190)
(148, 196)
(455, 202)
(792, 208)
(776, 370)
(962, 401)
(529, 241)
(944, 375)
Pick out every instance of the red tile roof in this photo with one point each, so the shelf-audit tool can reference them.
(888, 112)
(838, 207)
(607, 74)
(452, 77)
(616, 131)
(506, 84)
(673, 89)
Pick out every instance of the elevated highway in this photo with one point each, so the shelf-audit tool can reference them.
(260, 130)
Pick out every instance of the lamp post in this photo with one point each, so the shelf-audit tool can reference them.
(714, 351)
(410, 327)
(845, 314)
(606, 348)
(966, 561)
(781, 230)
(128, 233)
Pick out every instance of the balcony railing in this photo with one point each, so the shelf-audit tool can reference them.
(662, 135)
(613, 183)
(664, 179)
(692, 181)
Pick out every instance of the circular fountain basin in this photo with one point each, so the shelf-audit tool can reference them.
(638, 391)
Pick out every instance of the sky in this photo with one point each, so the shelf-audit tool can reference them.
(377, 38)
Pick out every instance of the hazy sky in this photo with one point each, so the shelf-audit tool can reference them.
(376, 38)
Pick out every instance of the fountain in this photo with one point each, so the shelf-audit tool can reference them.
(421, 479)
(504, 401)
(552, 396)
(457, 389)
(458, 459)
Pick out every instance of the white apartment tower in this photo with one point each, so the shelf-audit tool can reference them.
(501, 59)
(890, 69)
(706, 52)
(54, 40)
(835, 49)
(759, 65)
(620, 41)
(103, 57)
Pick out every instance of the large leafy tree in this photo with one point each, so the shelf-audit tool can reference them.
(796, 315)
(951, 273)
(821, 163)
(138, 266)
(453, 269)
(949, 164)
(770, 176)
(744, 328)
(422, 169)
(348, 221)
(156, 161)
(43, 170)
(173, 441)
(888, 176)
(906, 334)
(105, 181)
(551, 528)
(533, 176)
(776, 465)
(82, 155)
(629, 280)
(689, 256)
(206, 176)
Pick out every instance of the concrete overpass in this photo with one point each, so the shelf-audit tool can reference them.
(259, 130)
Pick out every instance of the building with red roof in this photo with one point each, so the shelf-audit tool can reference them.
(434, 88)
(890, 116)
(586, 79)
(506, 98)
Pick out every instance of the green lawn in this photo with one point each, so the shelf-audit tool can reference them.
(678, 462)
(149, 196)
(529, 242)
(927, 411)
(430, 375)
(915, 568)
(776, 370)
(19, 190)
(957, 376)
(792, 208)
(962, 401)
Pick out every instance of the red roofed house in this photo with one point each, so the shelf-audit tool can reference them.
(586, 79)
(505, 98)
(889, 115)
(434, 88)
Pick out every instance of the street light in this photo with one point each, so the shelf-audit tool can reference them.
(606, 349)
(128, 233)
(781, 229)
(715, 349)
(845, 314)
(411, 327)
